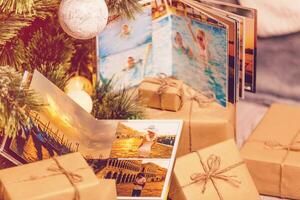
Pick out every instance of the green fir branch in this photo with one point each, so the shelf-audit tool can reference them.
(56, 74)
(15, 101)
(124, 8)
(14, 54)
(10, 26)
(17, 6)
(12, 22)
(110, 104)
(49, 47)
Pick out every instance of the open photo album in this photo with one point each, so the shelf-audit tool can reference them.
(138, 154)
(210, 45)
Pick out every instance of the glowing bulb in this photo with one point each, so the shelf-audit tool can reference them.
(83, 99)
(78, 83)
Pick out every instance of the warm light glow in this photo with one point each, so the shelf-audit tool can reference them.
(83, 99)
(79, 83)
(54, 112)
(52, 107)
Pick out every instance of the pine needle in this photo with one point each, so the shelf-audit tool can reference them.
(56, 74)
(12, 22)
(124, 8)
(15, 101)
(10, 26)
(49, 47)
(109, 104)
(17, 6)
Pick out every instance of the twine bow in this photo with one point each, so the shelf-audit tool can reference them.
(202, 99)
(72, 177)
(213, 171)
(165, 83)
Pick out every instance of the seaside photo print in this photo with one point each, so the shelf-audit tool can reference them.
(136, 178)
(146, 139)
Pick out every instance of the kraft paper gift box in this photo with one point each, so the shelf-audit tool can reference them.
(162, 93)
(272, 152)
(61, 178)
(217, 172)
(204, 125)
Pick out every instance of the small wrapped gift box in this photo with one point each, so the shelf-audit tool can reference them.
(217, 172)
(205, 122)
(162, 92)
(272, 152)
(61, 178)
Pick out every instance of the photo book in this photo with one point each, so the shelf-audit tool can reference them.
(210, 45)
(138, 154)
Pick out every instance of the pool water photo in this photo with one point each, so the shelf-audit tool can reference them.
(166, 45)
(210, 75)
(127, 68)
(123, 34)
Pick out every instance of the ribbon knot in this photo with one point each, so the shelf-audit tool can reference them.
(212, 171)
(201, 98)
(72, 177)
(164, 82)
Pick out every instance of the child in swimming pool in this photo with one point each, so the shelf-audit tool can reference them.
(131, 63)
(131, 71)
(179, 45)
(200, 39)
(125, 31)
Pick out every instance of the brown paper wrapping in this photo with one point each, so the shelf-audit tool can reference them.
(182, 189)
(36, 181)
(170, 99)
(210, 124)
(276, 170)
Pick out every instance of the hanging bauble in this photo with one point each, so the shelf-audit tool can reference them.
(79, 83)
(83, 19)
(83, 99)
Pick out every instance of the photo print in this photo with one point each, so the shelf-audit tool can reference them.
(137, 179)
(146, 139)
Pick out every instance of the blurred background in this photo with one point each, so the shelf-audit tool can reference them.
(278, 62)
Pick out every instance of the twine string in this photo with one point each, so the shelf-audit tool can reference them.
(291, 147)
(72, 177)
(212, 172)
(201, 99)
(165, 83)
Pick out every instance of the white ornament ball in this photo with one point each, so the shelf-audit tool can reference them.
(83, 19)
(83, 99)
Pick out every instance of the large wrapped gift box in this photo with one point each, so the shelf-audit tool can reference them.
(217, 172)
(61, 178)
(204, 125)
(272, 152)
(163, 93)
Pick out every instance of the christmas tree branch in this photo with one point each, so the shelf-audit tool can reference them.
(124, 8)
(111, 104)
(12, 22)
(10, 26)
(15, 101)
(17, 6)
